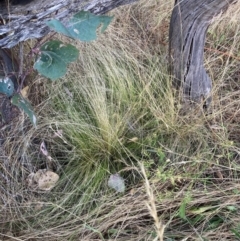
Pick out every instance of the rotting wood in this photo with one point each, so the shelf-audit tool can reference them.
(189, 23)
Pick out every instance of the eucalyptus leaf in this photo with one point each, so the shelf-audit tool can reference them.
(57, 26)
(82, 26)
(23, 104)
(54, 58)
(6, 86)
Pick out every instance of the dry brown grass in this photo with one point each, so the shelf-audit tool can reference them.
(125, 114)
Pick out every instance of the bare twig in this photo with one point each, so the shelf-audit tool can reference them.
(20, 59)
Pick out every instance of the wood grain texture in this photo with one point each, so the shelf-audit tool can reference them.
(22, 22)
(189, 23)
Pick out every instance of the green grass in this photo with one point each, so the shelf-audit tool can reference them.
(118, 113)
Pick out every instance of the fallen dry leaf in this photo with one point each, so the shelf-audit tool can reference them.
(44, 150)
(43, 179)
(46, 179)
(24, 92)
(58, 133)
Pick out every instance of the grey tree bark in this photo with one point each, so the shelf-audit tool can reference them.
(189, 23)
(22, 22)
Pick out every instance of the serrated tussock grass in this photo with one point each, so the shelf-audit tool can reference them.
(116, 111)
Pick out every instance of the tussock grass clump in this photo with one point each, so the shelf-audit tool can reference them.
(116, 112)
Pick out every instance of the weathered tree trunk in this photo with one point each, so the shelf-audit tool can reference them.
(22, 22)
(189, 23)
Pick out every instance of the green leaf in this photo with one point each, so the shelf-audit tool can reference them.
(6, 86)
(82, 26)
(182, 208)
(57, 26)
(237, 234)
(215, 222)
(202, 210)
(231, 208)
(54, 58)
(23, 104)
(182, 211)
